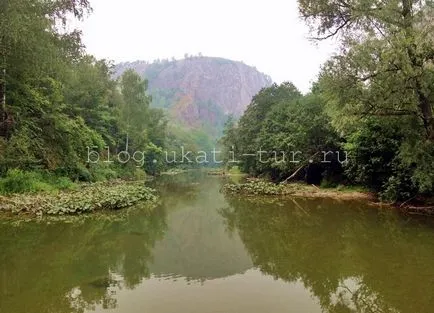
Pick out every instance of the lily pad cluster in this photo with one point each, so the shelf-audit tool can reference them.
(255, 188)
(89, 198)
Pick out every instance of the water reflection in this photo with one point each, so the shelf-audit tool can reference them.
(352, 258)
(196, 245)
(69, 266)
(200, 251)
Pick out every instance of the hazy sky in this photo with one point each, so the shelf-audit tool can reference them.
(267, 34)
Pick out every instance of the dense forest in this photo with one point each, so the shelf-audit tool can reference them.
(373, 102)
(60, 107)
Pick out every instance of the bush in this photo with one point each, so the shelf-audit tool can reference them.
(18, 181)
(63, 183)
(103, 172)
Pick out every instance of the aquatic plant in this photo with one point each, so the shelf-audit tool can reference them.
(255, 188)
(93, 197)
(265, 188)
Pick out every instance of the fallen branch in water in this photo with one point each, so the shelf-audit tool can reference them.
(298, 170)
(427, 210)
(294, 174)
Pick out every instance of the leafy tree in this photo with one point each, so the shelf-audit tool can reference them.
(279, 134)
(56, 101)
(251, 122)
(384, 73)
(92, 94)
(298, 126)
(34, 55)
(144, 127)
(229, 141)
(134, 111)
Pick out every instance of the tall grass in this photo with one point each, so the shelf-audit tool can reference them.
(19, 181)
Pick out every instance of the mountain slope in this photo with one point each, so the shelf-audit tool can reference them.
(200, 92)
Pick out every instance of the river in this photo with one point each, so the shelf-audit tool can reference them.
(201, 251)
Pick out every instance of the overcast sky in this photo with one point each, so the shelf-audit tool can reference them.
(267, 34)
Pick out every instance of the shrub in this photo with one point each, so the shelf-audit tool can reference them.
(19, 181)
(103, 172)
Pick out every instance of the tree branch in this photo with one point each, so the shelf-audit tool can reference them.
(337, 30)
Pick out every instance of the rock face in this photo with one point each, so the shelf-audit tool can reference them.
(200, 92)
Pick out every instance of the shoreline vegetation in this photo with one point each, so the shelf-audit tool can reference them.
(174, 171)
(234, 171)
(68, 118)
(88, 198)
(368, 118)
(257, 187)
(65, 198)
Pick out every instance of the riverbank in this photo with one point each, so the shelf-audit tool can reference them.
(259, 187)
(264, 188)
(174, 171)
(234, 171)
(87, 198)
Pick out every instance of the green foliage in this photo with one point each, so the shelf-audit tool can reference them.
(379, 90)
(374, 149)
(144, 127)
(251, 123)
(229, 140)
(134, 111)
(154, 159)
(374, 100)
(163, 98)
(279, 122)
(18, 181)
(193, 140)
(295, 125)
(103, 171)
(60, 101)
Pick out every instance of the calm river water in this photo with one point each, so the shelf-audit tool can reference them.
(201, 251)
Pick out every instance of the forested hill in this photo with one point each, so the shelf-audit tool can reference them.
(200, 92)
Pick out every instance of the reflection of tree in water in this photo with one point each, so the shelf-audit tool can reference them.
(353, 296)
(353, 259)
(68, 267)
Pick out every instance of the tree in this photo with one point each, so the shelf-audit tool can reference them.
(385, 67)
(293, 126)
(134, 111)
(31, 43)
(229, 141)
(35, 55)
(251, 122)
(92, 94)
(383, 75)
(144, 127)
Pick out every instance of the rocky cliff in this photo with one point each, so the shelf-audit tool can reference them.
(200, 92)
